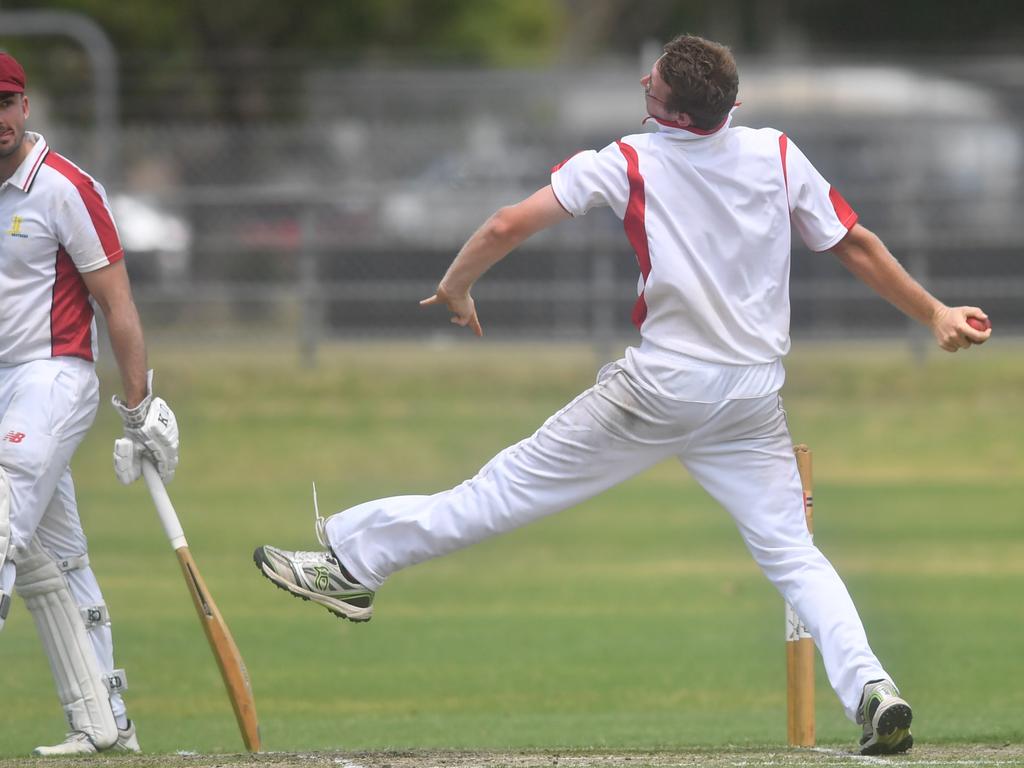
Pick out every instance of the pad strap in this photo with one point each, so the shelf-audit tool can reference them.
(94, 615)
(117, 681)
(72, 563)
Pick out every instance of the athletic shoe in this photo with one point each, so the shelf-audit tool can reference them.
(127, 740)
(75, 743)
(886, 720)
(316, 576)
(78, 743)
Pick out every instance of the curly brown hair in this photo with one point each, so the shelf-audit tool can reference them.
(703, 78)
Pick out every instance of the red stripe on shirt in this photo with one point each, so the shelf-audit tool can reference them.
(70, 311)
(635, 224)
(570, 157)
(98, 213)
(32, 174)
(783, 146)
(847, 216)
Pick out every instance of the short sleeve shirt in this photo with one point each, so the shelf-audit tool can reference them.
(55, 225)
(708, 215)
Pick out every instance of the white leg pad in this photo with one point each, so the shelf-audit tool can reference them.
(81, 686)
(5, 541)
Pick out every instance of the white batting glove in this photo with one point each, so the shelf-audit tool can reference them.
(127, 460)
(151, 430)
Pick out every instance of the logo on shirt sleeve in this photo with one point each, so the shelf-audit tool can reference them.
(15, 230)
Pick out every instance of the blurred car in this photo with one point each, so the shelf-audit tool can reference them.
(945, 152)
(158, 243)
(454, 193)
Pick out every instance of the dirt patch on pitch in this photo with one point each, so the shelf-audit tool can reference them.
(954, 756)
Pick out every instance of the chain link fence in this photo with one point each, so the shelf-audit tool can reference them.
(334, 222)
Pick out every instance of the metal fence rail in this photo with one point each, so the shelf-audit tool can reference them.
(337, 223)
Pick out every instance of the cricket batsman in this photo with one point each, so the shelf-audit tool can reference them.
(60, 256)
(708, 210)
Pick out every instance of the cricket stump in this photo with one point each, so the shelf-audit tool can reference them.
(799, 644)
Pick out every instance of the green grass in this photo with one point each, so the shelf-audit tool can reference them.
(634, 621)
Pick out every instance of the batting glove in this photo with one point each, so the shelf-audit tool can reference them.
(150, 430)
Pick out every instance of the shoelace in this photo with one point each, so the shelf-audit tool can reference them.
(319, 524)
(316, 558)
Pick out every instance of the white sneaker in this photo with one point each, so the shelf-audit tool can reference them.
(78, 743)
(886, 719)
(75, 743)
(316, 576)
(127, 741)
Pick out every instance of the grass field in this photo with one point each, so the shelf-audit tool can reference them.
(633, 622)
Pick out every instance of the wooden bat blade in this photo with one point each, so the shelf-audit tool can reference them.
(229, 660)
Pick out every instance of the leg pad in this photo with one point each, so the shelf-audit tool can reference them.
(81, 686)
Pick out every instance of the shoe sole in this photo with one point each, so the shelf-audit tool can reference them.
(56, 751)
(349, 613)
(892, 732)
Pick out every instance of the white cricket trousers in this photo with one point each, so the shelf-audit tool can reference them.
(740, 451)
(46, 409)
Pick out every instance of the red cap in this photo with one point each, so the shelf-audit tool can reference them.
(12, 76)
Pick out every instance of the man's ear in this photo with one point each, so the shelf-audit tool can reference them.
(24, 104)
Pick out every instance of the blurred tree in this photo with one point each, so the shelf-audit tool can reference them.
(240, 60)
(772, 26)
(949, 26)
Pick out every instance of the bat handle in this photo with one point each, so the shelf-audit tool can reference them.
(164, 508)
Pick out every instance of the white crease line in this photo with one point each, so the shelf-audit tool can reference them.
(869, 759)
(909, 759)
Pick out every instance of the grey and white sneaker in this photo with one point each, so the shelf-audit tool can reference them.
(78, 743)
(127, 740)
(886, 720)
(75, 743)
(316, 576)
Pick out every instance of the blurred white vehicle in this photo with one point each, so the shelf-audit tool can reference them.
(158, 243)
(447, 200)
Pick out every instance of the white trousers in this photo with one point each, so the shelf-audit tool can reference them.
(46, 408)
(740, 451)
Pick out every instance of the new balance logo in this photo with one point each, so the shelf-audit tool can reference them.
(14, 437)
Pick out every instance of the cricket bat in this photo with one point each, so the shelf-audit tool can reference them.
(229, 660)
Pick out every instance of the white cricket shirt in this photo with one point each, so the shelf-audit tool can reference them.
(55, 224)
(708, 215)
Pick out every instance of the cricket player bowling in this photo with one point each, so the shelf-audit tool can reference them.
(708, 210)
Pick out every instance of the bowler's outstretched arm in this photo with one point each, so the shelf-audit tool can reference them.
(501, 233)
(865, 255)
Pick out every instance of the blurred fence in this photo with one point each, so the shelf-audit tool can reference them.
(336, 224)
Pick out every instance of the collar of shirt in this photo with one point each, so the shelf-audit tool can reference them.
(690, 133)
(22, 178)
